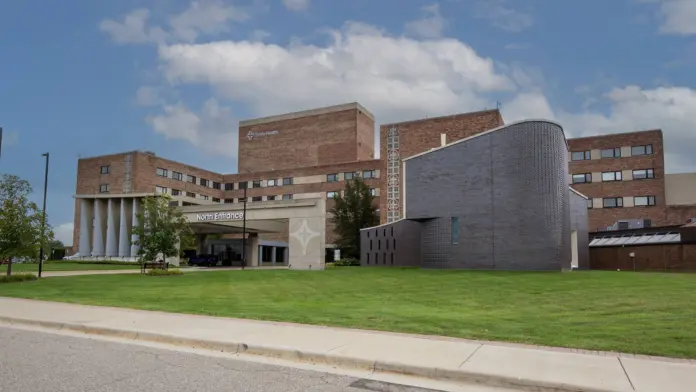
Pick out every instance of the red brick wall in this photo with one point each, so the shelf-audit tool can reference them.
(675, 258)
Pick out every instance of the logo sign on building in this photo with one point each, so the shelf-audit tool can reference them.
(219, 216)
(255, 135)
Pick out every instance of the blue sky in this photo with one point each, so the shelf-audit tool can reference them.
(84, 78)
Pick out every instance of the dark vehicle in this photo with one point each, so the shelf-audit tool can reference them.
(203, 260)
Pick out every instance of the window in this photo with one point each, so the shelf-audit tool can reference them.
(205, 197)
(229, 201)
(191, 194)
(243, 185)
(105, 169)
(272, 182)
(455, 230)
(177, 176)
(611, 153)
(191, 179)
(204, 182)
(643, 174)
(642, 201)
(160, 189)
(216, 185)
(590, 204)
(613, 202)
(287, 181)
(215, 199)
(331, 195)
(162, 172)
(369, 174)
(256, 184)
(642, 150)
(580, 155)
(332, 177)
(256, 198)
(176, 192)
(242, 199)
(104, 188)
(611, 176)
(373, 191)
(287, 197)
(348, 176)
(229, 186)
(174, 203)
(270, 197)
(582, 178)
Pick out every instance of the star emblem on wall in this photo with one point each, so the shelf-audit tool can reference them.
(304, 234)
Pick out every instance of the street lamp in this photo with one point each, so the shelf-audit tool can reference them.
(43, 216)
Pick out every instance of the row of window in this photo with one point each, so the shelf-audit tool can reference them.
(586, 178)
(384, 258)
(386, 243)
(617, 202)
(178, 192)
(612, 152)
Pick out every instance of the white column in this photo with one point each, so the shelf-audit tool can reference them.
(98, 236)
(273, 254)
(111, 233)
(124, 229)
(86, 217)
(134, 237)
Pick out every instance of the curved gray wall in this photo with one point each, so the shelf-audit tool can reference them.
(509, 189)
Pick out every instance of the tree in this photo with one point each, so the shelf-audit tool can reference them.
(353, 211)
(20, 221)
(161, 229)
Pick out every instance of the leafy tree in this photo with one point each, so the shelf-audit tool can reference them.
(20, 221)
(161, 229)
(353, 211)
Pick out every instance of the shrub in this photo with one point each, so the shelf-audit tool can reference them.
(17, 278)
(347, 262)
(162, 272)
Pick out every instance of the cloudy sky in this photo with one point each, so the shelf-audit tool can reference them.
(83, 78)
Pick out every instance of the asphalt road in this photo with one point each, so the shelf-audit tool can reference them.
(33, 361)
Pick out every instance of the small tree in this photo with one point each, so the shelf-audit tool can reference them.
(353, 211)
(160, 230)
(20, 221)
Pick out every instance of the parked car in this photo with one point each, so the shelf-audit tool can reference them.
(203, 260)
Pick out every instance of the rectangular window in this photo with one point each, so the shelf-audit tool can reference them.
(332, 177)
(590, 204)
(642, 201)
(270, 198)
(272, 182)
(256, 198)
(242, 199)
(613, 202)
(229, 186)
(611, 176)
(368, 174)
(205, 197)
(287, 181)
(582, 178)
(243, 185)
(229, 201)
(643, 174)
(373, 191)
(191, 179)
(105, 169)
(256, 184)
(191, 194)
(580, 155)
(642, 150)
(215, 199)
(611, 153)
(177, 176)
(348, 176)
(176, 192)
(287, 196)
(455, 230)
(331, 195)
(216, 185)
(162, 172)
(160, 189)
(204, 182)
(104, 188)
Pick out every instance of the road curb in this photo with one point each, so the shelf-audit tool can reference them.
(309, 357)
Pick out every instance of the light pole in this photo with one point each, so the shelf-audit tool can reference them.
(43, 216)
(244, 228)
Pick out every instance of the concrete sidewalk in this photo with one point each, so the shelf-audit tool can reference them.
(495, 364)
(53, 274)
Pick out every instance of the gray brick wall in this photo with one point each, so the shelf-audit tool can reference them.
(396, 244)
(509, 190)
(579, 222)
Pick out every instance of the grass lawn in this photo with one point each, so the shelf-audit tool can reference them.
(619, 311)
(65, 266)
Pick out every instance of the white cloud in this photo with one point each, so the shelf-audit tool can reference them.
(678, 17)
(502, 16)
(296, 5)
(259, 35)
(148, 96)
(133, 29)
(214, 129)
(64, 233)
(431, 25)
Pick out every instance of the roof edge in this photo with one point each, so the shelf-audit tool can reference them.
(478, 112)
(307, 113)
(577, 193)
